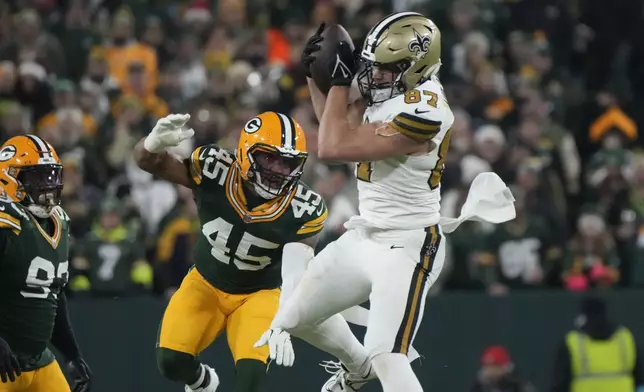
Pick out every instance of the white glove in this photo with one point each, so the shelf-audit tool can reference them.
(168, 132)
(279, 344)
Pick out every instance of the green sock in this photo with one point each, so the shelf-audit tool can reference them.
(249, 375)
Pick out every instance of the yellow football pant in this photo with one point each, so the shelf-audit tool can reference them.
(46, 379)
(198, 312)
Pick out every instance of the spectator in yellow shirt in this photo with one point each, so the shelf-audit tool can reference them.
(123, 49)
(67, 124)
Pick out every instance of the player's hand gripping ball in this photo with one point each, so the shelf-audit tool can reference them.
(323, 50)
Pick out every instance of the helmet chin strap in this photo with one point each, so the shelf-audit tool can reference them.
(40, 211)
(261, 192)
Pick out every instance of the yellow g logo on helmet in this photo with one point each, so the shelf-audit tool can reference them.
(31, 173)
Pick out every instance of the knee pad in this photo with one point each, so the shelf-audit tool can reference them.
(177, 366)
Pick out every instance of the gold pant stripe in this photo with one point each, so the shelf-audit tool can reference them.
(417, 287)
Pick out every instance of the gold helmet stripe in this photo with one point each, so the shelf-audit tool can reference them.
(374, 34)
(288, 131)
(43, 148)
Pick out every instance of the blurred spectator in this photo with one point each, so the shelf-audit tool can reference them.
(490, 144)
(79, 198)
(137, 84)
(77, 38)
(67, 125)
(626, 219)
(607, 171)
(498, 373)
(591, 257)
(8, 75)
(13, 120)
(122, 49)
(177, 236)
(33, 91)
(192, 73)
(97, 80)
(520, 253)
(599, 355)
(155, 36)
(107, 260)
(32, 44)
(552, 142)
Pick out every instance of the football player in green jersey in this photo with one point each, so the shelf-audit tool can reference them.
(34, 241)
(255, 215)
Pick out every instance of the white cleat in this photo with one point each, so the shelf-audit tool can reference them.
(212, 385)
(342, 380)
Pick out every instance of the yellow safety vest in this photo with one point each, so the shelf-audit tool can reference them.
(602, 365)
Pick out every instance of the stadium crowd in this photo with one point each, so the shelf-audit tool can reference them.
(544, 93)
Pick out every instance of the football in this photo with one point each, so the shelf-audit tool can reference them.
(332, 34)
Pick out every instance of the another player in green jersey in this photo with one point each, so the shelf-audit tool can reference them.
(255, 216)
(34, 247)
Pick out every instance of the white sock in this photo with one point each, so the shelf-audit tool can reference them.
(336, 338)
(202, 376)
(395, 373)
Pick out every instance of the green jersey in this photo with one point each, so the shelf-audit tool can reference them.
(521, 249)
(239, 249)
(33, 272)
(110, 261)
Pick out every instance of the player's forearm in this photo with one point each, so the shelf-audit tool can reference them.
(317, 98)
(63, 335)
(146, 160)
(334, 124)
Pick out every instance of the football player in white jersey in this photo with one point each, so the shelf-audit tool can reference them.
(394, 250)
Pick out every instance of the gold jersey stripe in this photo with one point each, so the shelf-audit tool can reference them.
(58, 229)
(7, 224)
(15, 221)
(415, 127)
(195, 166)
(314, 225)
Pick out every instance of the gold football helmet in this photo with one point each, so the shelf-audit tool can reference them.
(271, 154)
(405, 44)
(31, 174)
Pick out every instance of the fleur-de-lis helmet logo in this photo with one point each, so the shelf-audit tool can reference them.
(420, 45)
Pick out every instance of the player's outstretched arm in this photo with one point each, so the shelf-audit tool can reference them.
(340, 142)
(64, 340)
(150, 152)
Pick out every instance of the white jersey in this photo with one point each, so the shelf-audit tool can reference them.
(403, 192)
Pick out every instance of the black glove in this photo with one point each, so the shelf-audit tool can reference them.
(312, 46)
(82, 375)
(344, 66)
(9, 366)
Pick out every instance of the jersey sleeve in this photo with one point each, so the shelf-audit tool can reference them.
(416, 127)
(206, 162)
(311, 213)
(422, 114)
(9, 219)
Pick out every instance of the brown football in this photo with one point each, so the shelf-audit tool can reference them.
(332, 34)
